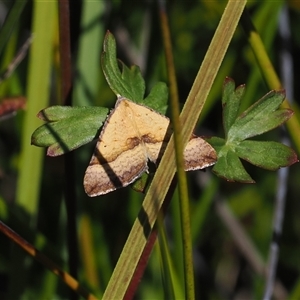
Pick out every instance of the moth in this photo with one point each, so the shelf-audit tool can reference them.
(132, 135)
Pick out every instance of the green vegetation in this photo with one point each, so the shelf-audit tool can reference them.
(125, 242)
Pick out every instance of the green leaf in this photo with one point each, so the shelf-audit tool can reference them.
(158, 98)
(261, 117)
(69, 128)
(231, 101)
(129, 83)
(230, 168)
(268, 155)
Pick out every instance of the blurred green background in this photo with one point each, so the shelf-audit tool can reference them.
(32, 185)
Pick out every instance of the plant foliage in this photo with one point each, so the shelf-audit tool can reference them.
(68, 128)
(259, 118)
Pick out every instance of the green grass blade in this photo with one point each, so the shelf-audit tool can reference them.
(30, 167)
(268, 71)
(181, 175)
(268, 31)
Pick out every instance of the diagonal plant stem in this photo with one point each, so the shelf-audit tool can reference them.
(45, 261)
(142, 264)
(181, 175)
(153, 201)
(268, 72)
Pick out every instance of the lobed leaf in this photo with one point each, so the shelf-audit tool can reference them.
(72, 128)
(261, 117)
